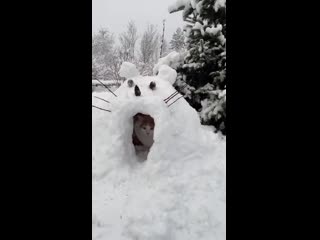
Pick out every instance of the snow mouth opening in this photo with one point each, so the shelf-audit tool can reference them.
(142, 135)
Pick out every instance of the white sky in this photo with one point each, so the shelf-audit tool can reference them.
(115, 15)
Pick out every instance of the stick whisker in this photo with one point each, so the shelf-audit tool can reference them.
(101, 108)
(170, 96)
(175, 101)
(106, 87)
(184, 87)
(102, 99)
(174, 95)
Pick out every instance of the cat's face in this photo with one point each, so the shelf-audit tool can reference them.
(147, 129)
(145, 123)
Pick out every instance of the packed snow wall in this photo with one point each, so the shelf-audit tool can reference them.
(177, 127)
(178, 193)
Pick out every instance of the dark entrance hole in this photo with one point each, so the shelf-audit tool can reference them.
(142, 134)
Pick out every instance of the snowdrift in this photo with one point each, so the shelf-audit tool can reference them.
(179, 191)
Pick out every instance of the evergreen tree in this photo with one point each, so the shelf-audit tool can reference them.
(204, 68)
(177, 42)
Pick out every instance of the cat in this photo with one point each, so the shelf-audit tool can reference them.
(143, 127)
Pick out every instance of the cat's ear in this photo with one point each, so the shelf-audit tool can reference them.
(138, 116)
(128, 70)
(167, 73)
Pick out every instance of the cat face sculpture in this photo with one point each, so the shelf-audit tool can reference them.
(155, 96)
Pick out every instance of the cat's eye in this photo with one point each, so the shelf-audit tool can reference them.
(152, 85)
(130, 83)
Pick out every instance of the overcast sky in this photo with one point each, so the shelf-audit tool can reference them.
(115, 15)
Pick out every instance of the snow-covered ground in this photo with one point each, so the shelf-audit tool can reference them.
(178, 193)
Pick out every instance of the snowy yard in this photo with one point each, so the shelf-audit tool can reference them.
(183, 200)
(178, 193)
(177, 190)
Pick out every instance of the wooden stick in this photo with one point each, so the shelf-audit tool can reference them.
(175, 101)
(172, 97)
(101, 108)
(106, 87)
(102, 99)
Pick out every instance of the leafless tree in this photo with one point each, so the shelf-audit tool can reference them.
(115, 64)
(128, 41)
(102, 51)
(102, 44)
(149, 46)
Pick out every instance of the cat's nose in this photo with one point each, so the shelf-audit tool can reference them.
(137, 91)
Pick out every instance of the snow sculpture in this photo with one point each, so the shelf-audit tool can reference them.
(179, 191)
(177, 125)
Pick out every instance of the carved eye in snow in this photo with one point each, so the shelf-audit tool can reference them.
(152, 85)
(137, 91)
(130, 83)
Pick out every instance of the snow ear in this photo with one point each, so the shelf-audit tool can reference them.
(167, 73)
(128, 70)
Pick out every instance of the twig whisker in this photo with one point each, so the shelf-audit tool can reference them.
(107, 87)
(170, 96)
(102, 99)
(101, 108)
(173, 96)
(184, 87)
(175, 101)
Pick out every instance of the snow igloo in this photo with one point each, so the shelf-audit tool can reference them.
(177, 126)
(177, 192)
